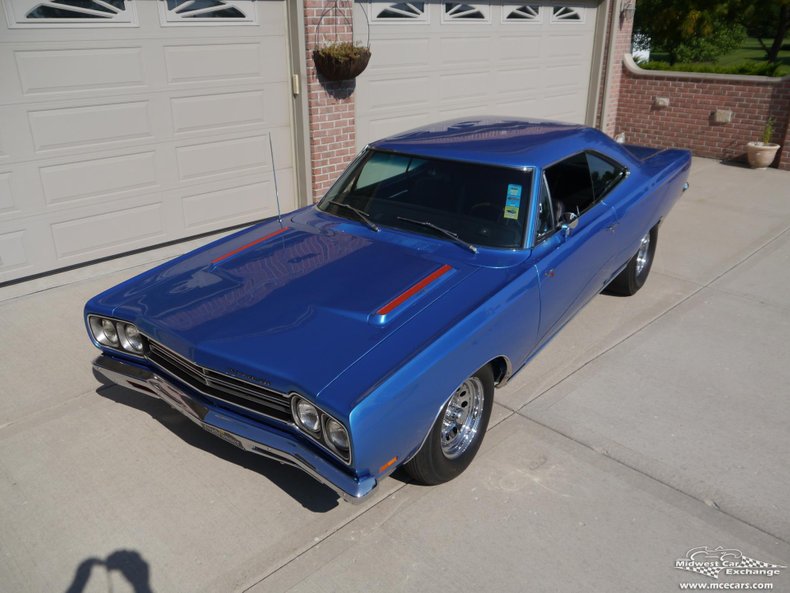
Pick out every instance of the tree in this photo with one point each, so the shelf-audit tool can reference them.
(769, 19)
(692, 31)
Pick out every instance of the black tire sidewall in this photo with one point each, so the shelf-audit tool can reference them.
(435, 468)
(638, 280)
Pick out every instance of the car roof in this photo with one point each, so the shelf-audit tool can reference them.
(510, 142)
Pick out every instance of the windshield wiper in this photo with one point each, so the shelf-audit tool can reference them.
(445, 232)
(363, 216)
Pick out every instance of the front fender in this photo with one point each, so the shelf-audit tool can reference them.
(395, 417)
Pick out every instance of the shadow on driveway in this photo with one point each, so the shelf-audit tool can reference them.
(128, 563)
(311, 494)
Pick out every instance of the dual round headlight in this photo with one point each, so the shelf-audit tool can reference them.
(308, 416)
(322, 427)
(336, 434)
(117, 334)
(131, 339)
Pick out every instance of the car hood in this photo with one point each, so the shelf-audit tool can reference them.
(292, 306)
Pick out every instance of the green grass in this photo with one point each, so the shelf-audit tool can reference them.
(746, 59)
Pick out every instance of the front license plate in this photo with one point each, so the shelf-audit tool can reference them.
(225, 436)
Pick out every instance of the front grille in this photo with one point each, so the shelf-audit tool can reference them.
(220, 386)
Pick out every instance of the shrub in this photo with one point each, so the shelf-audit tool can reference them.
(748, 68)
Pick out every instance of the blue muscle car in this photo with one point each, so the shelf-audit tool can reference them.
(369, 332)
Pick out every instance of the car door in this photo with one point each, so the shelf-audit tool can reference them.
(574, 251)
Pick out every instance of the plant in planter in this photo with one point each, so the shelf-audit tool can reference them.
(761, 154)
(340, 60)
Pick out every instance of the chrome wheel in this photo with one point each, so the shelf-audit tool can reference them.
(462, 418)
(643, 255)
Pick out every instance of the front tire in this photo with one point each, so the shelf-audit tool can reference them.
(633, 277)
(457, 433)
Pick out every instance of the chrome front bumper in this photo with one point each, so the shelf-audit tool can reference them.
(241, 431)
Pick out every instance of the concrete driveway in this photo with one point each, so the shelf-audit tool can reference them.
(650, 426)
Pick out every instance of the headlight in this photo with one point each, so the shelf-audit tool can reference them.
(337, 436)
(308, 416)
(117, 334)
(109, 331)
(104, 331)
(321, 427)
(131, 339)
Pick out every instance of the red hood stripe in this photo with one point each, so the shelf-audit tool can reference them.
(248, 245)
(406, 295)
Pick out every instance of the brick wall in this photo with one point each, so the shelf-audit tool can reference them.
(687, 121)
(616, 44)
(330, 104)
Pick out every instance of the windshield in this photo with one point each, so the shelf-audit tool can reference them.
(481, 204)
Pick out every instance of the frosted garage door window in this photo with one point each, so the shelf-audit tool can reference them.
(525, 13)
(399, 11)
(460, 12)
(567, 14)
(64, 13)
(220, 12)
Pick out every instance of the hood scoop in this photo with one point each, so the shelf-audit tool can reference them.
(392, 307)
(246, 246)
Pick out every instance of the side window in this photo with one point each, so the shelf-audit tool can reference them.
(604, 175)
(545, 212)
(570, 186)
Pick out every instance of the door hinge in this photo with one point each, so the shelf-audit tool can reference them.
(296, 85)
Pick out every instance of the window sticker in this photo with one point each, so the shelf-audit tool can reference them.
(513, 201)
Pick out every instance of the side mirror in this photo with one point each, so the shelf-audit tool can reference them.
(569, 221)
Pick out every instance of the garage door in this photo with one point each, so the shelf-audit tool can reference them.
(128, 123)
(437, 60)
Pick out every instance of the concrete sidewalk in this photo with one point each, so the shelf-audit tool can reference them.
(649, 426)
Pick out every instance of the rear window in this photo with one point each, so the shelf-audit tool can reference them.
(482, 204)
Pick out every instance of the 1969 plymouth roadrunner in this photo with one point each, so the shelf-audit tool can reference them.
(369, 332)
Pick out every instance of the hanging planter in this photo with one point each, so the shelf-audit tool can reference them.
(340, 60)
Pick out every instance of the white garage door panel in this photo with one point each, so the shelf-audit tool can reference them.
(519, 48)
(239, 155)
(125, 228)
(206, 112)
(6, 201)
(466, 51)
(13, 250)
(114, 138)
(463, 86)
(79, 69)
(198, 63)
(94, 124)
(397, 92)
(400, 53)
(238, 203)
(434, 66)
(98, 177)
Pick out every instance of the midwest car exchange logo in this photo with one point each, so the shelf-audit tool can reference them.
(731, 562)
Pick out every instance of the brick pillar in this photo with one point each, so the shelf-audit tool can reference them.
(621, 44)
(330, 104)
(784, 99)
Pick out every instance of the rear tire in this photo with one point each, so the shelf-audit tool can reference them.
(457, 433)
(633, 276)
